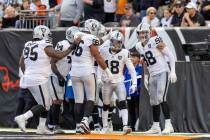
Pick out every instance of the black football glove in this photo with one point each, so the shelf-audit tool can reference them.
(61, 80)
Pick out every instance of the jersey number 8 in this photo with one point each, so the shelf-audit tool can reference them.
(114, 66)
(149, 58)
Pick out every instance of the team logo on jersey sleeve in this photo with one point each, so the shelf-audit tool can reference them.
(119, 57)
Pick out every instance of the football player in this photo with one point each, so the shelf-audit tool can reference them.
(94, 27)
(60, 70)
(116, 57)
(154, 53)
(35, 64)
(83, 75)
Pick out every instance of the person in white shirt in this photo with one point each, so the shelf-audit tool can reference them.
(166, 20)
(36, 67)
(151, 17)
(156, 54)
(116, 59)
(83, 74)
(60, 70)
(110, 7)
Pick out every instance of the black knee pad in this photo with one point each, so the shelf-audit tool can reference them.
(122, 105)
(156, 113)
(105, 107)
(38, 109)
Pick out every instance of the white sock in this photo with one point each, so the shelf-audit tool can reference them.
(77, 125)
(28, 114)
(42, 122)
(156, 124)
(124, 113)
(105, 118)
(167, 121)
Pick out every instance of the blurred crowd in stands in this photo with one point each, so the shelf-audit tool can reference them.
(126, 13)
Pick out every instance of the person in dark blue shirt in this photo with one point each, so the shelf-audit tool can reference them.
(133, 99)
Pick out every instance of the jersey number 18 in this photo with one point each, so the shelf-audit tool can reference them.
(114, 66)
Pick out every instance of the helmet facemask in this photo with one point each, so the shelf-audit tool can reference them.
(143, 36)
(116, 45)
(70, 32)
(92, 26)
(49, 37)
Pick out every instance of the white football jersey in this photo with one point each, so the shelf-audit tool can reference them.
(152, 56)
(37, 63)
(82, 60)
(116, 63)
(105, 44)
(63, 64)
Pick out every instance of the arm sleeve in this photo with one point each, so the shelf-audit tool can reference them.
(169, 54)
(132, 71)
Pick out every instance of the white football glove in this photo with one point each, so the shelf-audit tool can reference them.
(133, 88)
(109, 74)
(173, 77)
(146, 81)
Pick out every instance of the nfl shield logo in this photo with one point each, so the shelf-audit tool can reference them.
(119, 57)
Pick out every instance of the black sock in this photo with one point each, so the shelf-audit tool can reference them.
(50, 116)
(88, 109)
(56, 113)
(165, 109)
(95, 115)
(20, 107)
(110, 114)
(37, 109)
(44, 114)
(78, 111)
(156, 113)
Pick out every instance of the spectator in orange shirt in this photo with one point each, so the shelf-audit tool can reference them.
(120, 9)
(41, 7)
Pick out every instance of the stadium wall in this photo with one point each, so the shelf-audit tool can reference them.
(188, 98)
